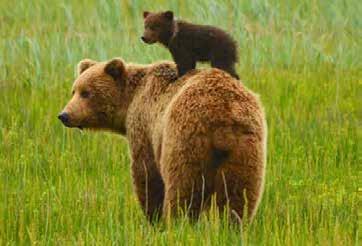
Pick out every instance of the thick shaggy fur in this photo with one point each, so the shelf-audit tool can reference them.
(189, 43)
(201, 136)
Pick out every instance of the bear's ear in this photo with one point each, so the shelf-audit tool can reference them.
(145, 14)
(168, 14)
(116, 69)
(84, 65)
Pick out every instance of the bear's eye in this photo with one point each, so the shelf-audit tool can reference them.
(84, 94)
(73, 92)
(154, 27)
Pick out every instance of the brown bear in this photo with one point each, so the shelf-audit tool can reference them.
(189, 43)
(202, 137)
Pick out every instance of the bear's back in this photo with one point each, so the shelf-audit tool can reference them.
(213, 93)
(206, 97)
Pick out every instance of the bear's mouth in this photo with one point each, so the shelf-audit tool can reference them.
(68, 125)
(148, 41)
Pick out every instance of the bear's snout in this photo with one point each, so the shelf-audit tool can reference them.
(147, 40)
(64, 118)
(144, 39)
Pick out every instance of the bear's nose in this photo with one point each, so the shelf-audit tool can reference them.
(144, 39)
(64, 118)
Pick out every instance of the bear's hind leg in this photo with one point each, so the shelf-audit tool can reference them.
(228, 67)
(188, 193)
(238, 190)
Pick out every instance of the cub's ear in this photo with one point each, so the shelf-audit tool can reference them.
(116, 69)
(168, 14)
(145, 14)
(84, 65)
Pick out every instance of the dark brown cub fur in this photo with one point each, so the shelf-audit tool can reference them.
(189, 43)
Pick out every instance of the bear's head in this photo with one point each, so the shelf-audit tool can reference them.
(99, 96)
(159, 27)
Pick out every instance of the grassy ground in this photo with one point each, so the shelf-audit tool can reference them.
(62, 186)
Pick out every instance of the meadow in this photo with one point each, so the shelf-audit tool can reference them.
(64, 186)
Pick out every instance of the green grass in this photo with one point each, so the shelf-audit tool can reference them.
(63, 186)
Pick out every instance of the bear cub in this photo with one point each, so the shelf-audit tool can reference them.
(189, 43)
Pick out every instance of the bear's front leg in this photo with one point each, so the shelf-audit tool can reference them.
(184, 61)
(147, 182)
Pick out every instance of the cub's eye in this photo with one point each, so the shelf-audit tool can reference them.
(73, 92)
(154, 27)
(84, 94)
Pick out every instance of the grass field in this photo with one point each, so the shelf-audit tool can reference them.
(63, 186)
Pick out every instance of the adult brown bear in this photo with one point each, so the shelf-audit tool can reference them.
(203, 135)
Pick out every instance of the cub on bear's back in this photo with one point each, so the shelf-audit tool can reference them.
(189, 43)
(201, 136)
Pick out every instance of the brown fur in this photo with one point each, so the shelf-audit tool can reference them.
(204, 135)
(189, 43)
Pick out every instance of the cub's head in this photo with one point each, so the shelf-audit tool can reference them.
(158, 27)
(99, 96)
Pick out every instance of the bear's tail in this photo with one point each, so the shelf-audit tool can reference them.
(218, 157)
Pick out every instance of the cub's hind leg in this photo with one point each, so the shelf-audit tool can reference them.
(228, 67)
